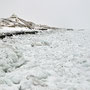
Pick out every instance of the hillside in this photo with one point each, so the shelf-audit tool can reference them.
(15, 21)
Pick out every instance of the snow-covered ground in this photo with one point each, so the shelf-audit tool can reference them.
(50, 60)
(7, 29)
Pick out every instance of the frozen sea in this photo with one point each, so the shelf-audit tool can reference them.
(49, 60)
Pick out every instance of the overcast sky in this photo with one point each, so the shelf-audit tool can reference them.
(60, 13)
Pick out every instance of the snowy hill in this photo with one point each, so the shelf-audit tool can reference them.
(49, 60)
(15, 25)
(15, 21)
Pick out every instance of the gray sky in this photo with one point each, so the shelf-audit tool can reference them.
(60, 13)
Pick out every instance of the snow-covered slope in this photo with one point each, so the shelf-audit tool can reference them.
(15, 21)
(50, 60)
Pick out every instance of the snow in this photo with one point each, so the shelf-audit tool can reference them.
(11, 29)
(50, 60)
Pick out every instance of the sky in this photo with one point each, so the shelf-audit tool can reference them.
(59, 13)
